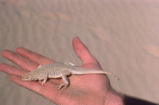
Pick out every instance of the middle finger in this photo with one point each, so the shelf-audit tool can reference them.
(19, 60)
(33, 56)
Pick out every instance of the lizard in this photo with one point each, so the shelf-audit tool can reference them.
(58, 70)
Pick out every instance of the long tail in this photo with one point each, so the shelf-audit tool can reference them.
(88, 71)
(79, 70)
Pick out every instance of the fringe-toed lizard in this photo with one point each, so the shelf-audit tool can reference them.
(58, 70)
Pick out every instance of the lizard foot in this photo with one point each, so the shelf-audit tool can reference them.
(62, 86)
(43, 81)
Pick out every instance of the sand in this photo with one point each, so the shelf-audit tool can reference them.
(122, 34)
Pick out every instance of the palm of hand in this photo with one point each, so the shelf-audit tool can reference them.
(81, 89)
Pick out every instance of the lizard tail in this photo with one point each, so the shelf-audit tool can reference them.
(89, 71)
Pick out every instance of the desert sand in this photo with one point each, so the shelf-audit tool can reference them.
(122, 34)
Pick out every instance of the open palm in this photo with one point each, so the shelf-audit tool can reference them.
(83, 90)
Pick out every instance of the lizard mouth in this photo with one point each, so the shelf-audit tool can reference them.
(23, 78)
(26, 77)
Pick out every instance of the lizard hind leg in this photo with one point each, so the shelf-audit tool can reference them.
(66, 82)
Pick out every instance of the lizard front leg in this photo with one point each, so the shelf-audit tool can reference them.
(44, 81)
(43, 78)
(66, 82)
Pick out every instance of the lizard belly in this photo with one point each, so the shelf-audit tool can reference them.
(54, 76)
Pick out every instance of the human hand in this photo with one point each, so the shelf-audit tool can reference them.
(83, 90)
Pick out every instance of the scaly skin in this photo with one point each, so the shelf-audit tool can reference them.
(58, 70)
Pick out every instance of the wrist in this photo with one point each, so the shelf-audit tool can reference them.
(114, 98)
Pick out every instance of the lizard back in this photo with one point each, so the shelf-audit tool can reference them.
(54, 70)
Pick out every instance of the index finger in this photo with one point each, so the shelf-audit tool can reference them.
(35, 57)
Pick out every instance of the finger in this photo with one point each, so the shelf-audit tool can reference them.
(48, 90)
(19, 60)
(33, 56)
(82, 51)
(11, 70)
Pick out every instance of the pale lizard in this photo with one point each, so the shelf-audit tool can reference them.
(58, 70)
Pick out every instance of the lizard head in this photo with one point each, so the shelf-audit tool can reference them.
(27, 76)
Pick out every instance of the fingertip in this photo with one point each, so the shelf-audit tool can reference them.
(75, 40)
(19, 49)
(2, 65)
(4, 52)
(78, 44)
(75, 44)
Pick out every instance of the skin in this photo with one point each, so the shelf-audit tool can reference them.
(83, 90)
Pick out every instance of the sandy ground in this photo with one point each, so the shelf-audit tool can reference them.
(122, 34)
